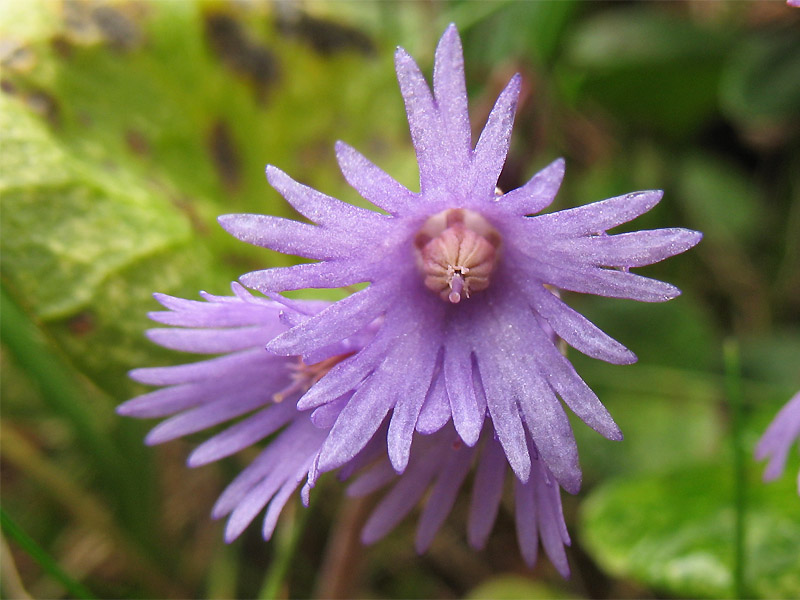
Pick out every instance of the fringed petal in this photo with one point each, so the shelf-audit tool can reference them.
(443, 495)
(635, 249)
(428, 133)
(372, 182)
(600, 282)
(362, 416)
(280, 499)
(551, 523)
(168, 401)
(233, 403)
(492, 147)
(504, 411)
(326, 274)
(435, 411)
(596, 218)
(212, 341)
(781, 435)
(537, 194)
(338, 321)
(289, 237)
(321, 208)
(419, 363)
(216, 311)
(487, 492)
(347, 375)
(467, 417)
(246, 361)
(290, 447)
(577, 330)
(399, 501)
(563, 378)
(245, 433)
(526, 520)
(450, 91)
(525, 383)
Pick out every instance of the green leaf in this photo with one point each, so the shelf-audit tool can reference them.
(662, 431)
(67, 224)
(774, 357)
(760, 83)
(654, 69)
(675, 532)
(128, 130)
(722, 198)
(517, 29)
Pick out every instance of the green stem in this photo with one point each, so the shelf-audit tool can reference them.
(733, 388)
(37, 553)
(59, 389)
(66, 396)
(289, 535)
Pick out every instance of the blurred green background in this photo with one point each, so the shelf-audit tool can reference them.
(127, 127)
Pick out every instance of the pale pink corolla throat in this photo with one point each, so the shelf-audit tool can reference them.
(456, 252)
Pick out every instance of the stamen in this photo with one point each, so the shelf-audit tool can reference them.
(456, 252)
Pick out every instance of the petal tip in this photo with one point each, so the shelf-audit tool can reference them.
(694, 237)
(572, 485)
(248, 280)
(197, 458)
(227, 222)
(398, 456)
(153, 438)
(124, 409)
(231, 533)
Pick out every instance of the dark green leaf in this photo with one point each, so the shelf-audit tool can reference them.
(653, 69)
(760, 82)
(675, 532)
(721, 197)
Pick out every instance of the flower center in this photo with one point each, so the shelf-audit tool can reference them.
(456, 252)
(303, 376)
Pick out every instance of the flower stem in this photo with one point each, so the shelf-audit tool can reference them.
(37, 553)
(289, 534)
(733, 390)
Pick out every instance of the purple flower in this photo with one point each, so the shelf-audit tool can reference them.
(780, 436)
(461, 276)
(795, 3)
(247, 381)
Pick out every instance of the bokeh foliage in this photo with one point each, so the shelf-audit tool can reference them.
(127, 127)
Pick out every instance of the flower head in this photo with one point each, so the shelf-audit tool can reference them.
(461, 277)
(778, 439)
(261, 391)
